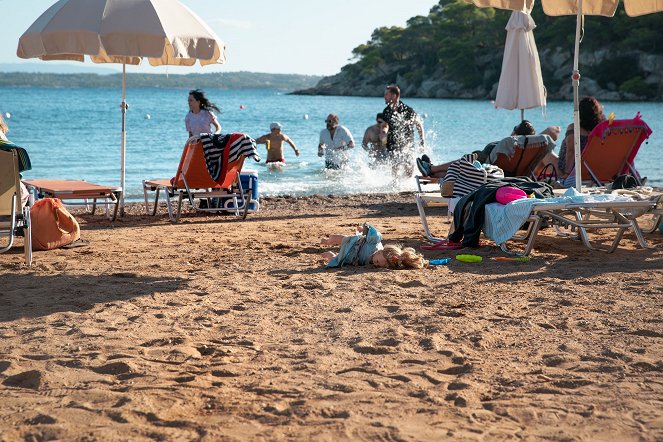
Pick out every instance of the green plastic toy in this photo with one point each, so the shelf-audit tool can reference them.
(469, 258)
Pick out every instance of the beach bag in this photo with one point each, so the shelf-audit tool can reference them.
(52, 225)
(624, 182)
(548, 174)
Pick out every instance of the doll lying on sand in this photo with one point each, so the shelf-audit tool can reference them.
(365, 247)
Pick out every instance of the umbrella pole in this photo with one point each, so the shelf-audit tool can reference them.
(123, 138)
(576, 112)
(522, 114)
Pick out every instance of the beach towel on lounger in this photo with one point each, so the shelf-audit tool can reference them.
(466, 175)
(221, 150)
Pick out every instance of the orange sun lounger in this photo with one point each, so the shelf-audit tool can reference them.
(77, 193)
(611, 148)
(192, 182)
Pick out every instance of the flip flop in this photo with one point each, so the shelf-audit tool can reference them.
(78, 243)
(443, 245)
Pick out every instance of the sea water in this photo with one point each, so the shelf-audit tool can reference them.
(74, 133)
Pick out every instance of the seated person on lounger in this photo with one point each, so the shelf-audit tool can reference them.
(591, 114)
(24, 160)
(524, 128)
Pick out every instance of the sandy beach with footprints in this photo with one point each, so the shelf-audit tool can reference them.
(214, 329)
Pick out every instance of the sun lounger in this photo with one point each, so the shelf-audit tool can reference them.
(581, 213)
(193, 182)
(519, 155)
(611, 148)
(426, 181)
(427, 200)
(14, 219)
(78, 193)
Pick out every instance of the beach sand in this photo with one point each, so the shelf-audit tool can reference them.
(217, 329)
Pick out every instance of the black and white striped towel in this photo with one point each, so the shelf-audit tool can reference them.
(214, 146)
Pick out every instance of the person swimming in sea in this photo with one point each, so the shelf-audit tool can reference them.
(274, 141)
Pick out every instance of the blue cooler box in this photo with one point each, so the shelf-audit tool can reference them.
(247, 178)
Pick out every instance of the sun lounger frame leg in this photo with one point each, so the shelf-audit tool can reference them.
(246, 197)
(535, 222)
(12, 225)
(27, 235)
(608, 219)
(147, 203)
(180, 198)
(656, 213)
(421, 207)
(157, 191)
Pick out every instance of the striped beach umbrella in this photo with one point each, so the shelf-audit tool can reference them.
(122, 31)
(579, 8)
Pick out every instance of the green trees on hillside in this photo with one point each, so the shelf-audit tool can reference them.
(459, 42)
(453, 36)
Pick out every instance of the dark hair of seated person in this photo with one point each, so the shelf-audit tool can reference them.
(524, 128)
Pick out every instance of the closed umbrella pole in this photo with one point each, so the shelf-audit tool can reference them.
(123, 138)
(575, 77)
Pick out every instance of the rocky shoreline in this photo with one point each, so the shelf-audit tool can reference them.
(556, 67)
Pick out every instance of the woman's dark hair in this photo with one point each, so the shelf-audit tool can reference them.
(524, 128)
(205, 104)
(591, 113)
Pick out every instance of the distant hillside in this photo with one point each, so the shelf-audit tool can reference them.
(456, 52)
(225, 80)
(60, 68)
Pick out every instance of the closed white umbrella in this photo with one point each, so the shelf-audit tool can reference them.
(122, 31)
(579, 8)
(521, 83)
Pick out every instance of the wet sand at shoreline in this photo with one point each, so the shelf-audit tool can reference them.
(216, 329)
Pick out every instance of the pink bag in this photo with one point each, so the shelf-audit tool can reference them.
(507, 194)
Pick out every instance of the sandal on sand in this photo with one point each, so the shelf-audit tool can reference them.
(443, 245)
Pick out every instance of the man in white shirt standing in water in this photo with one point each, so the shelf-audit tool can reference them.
(335, 141)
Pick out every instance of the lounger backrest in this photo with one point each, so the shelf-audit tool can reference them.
(525, 156)
(193, 167)
(232, 172)
(9, 181)
(612, 146)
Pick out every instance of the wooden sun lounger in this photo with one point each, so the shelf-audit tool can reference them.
(77, 193)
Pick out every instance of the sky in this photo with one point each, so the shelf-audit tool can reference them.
(312, 37)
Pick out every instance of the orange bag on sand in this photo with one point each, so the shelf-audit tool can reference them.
(52, 225)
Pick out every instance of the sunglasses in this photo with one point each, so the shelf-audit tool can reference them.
(329, 121)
